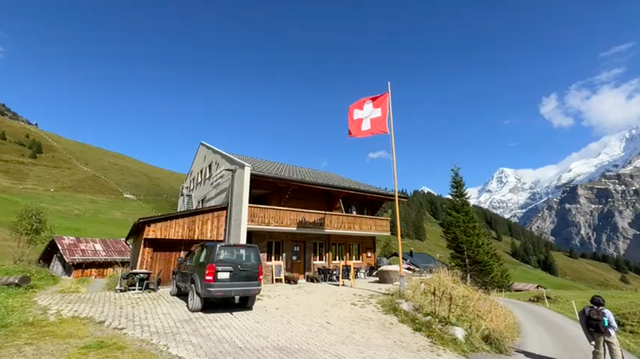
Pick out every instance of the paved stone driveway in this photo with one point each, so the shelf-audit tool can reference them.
(303, 321)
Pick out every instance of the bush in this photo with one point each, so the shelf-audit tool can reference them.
(624, 279)
(3, 136)
(33, 154)
(444, 300)
(26, 135)
(29, 230)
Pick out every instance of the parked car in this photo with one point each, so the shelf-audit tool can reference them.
(218, 271)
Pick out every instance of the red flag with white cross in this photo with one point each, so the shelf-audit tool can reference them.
(368, 116)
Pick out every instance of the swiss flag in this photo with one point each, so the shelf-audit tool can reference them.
(368, 116)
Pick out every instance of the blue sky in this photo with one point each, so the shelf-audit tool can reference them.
(472, 81)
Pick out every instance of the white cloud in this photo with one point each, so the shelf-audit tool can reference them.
(553, 112)
(382, 154)
(1, 52)
(324, 164)
(617, 49)
(511, 144)
(600, 102)
(610, 75)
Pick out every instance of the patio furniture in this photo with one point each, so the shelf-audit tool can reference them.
(137, 275)
(155, 283)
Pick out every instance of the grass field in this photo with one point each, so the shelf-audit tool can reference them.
(574, 274)
(26, 331)
(623, 304)
(77, 202)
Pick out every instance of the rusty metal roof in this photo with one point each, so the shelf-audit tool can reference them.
(78, 250)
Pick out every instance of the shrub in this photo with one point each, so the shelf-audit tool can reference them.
(443, 300)
(29, 230)
(38, 147)
(3, 136)
(624, 279)
(33, 154)
(26, 135)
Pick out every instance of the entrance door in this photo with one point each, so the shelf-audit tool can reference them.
(297, 259)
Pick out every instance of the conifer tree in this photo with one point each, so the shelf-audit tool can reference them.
(472, 252)
(3, 136)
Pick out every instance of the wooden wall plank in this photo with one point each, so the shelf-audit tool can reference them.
(207, 226)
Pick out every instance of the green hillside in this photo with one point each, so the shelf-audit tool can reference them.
(77, 201)
(574, 274)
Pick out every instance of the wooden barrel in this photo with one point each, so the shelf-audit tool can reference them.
(19, 281)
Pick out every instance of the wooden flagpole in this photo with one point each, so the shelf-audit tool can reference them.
(395, 186)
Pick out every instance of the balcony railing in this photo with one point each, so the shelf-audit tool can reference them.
(268, 216)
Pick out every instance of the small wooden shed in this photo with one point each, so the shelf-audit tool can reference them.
(157, 242)
(525, 287)
(77, 257)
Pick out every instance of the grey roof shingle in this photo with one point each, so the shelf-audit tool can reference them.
(308, 175)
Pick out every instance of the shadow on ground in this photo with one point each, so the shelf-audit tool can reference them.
(218, 306)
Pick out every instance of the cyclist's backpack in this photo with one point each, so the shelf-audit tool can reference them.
(595, 320)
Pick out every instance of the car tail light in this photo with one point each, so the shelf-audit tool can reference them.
(260, 273)
(210, 273)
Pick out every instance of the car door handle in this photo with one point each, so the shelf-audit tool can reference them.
(240, 267)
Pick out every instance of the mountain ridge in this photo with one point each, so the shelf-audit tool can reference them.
(512, 193)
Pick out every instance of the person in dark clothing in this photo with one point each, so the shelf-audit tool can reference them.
(599, 326)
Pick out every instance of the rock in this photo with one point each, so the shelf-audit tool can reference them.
(428, 318)
(406, 306)
(457, 333)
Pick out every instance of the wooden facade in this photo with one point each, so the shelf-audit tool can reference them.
(206, 226)
(159, 241)
(97, 270)
(293, 218)
(319, 250)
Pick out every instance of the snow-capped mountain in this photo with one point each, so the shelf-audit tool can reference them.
(518, 194)
(427, 190)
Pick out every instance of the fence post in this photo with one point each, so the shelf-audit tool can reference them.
(575, 309)
(544, 293)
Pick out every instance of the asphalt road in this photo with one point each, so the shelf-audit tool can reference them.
(546, 334)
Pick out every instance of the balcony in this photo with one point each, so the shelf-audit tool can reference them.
(281, 218)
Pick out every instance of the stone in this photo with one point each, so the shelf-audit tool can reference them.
(457, 332)
(406, 306)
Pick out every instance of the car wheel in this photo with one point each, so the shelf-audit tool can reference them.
(194, 301)
(175, 291)
(247, 302)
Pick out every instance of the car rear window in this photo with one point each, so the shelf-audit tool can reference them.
(238, 254)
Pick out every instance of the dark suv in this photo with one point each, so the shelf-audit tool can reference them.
(216, 271)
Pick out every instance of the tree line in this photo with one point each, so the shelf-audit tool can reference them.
(533, 250)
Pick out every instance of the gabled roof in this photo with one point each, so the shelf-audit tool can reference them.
(420, 259)
(307, 175)
(79, 250)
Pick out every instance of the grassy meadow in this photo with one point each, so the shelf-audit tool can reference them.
(77, 203)
(574, 274)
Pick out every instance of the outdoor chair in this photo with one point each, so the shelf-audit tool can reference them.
(153, 284)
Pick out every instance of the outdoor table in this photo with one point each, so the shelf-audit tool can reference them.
(139, 274)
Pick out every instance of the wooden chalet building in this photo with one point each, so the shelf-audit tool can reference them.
(304, 217)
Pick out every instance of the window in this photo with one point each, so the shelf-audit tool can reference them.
(354, 252)
(274, 251)
(203, 255)
(318, 252)
(191, 184)
(208, 172)
(199, 176)
(236, 254)
(337, 252)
